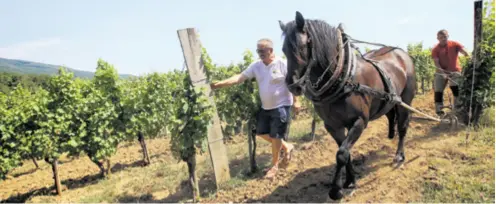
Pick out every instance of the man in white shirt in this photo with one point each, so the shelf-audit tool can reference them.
(275, 113)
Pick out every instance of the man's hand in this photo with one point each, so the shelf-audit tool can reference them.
(213, 85)
(439, 70)
(296, 105)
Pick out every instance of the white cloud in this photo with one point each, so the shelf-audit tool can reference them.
(25, 50)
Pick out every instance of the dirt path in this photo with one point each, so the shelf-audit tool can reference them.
(309, 176)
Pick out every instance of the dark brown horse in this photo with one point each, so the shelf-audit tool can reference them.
(347, 89)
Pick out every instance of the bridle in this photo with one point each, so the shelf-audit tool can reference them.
(305, 82)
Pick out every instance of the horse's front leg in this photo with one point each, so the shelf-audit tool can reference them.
(339, 136)
(343, 158)
(350, 175)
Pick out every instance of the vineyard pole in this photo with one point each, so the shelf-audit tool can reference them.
(191, 48)
(478, 8)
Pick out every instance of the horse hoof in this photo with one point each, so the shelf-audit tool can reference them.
(349, 185)
(335, 194)
(399, 159)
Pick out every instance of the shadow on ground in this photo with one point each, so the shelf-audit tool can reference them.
(239, 169)
(313, 185)
(68, 184)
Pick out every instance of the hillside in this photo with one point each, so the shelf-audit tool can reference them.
(28, 67)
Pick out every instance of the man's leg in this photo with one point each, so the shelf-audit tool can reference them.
(284, 130)
(278, 127)
(263, 127)
(454, 86)
(276, 150)
(285, 145)
(439, 85)
(454, 90)
(266, 137)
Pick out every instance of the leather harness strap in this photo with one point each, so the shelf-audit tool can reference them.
(388, 88)
(347, 84)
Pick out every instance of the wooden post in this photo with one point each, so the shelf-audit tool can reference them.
(56, 178)
(477, 30)
(477, 51)
(191, 47)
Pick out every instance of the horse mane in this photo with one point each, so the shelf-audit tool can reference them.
(324, 41)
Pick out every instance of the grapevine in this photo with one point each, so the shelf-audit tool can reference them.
(189, 127)
(482, 93)
(99, 131)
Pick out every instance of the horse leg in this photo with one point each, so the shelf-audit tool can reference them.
(404, 119)
(403, 123)
(350, 181)
(391, 116)
(343, 156)
(338, 136)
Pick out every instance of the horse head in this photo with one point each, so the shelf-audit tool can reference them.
(309, 46)
(297, 51)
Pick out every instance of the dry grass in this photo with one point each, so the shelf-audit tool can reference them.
(438, 168)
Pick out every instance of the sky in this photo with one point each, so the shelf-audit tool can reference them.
(140, 37)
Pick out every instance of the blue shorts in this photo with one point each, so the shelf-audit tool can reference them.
(274, 122)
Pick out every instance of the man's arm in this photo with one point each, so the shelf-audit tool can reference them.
(464, 52)
(236, 79)
(438, 66)
(435, 57)
(461, 48)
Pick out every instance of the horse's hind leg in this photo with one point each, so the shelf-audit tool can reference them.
(404, 120)
(391, 116)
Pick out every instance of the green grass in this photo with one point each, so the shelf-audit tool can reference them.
(468, 169)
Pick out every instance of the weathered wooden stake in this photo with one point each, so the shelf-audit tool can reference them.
(56, 178)
(478, 4)
(191, 47)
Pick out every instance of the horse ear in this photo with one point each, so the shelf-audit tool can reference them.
(282, 25)
(300, 21)
(341, 27)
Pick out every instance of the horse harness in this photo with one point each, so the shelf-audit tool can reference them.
(340, 86)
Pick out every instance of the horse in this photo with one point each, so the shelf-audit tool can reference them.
(348, 89)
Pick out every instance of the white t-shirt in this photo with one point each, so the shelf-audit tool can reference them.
(273, 90)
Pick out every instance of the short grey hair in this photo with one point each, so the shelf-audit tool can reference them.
(443, 31)
(266, 42)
